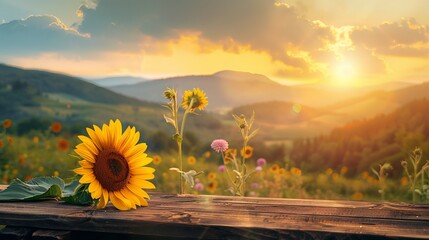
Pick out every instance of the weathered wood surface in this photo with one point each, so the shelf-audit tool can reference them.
(223, 217)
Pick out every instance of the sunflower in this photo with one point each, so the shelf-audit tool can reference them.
(56, 127)
(7, 123)
(156, 159)
(113, 166)
(197, 97)
(63, 145)
(247, 153)
(191, 160)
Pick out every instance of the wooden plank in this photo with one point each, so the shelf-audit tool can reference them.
(51, 235)
(224, 217)
(16, 233)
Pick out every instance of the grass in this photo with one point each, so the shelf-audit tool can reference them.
(26, 158)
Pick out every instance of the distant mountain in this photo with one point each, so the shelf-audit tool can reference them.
(365, 143)
(229, 89)
(116, 81)
(48, 82)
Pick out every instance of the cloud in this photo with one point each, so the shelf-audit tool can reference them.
(262, 25)
(37, 34)
(405, 38)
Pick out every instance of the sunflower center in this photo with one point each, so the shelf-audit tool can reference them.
(111, 170)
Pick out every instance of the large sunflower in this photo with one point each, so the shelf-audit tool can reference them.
(114, 166)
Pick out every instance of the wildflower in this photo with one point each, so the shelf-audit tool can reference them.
(295, 171)
(212, 186)
(7, 123)
(15, 172)
(56, 127)
(207, 154)
(281, 171)
(254, 185)
(247, 153)
(329, 171)
(41, 169)
(28, 178)
(211, 176)
(344, 170)
(114, 166)
(10, 140)
(191, 160)
(404, 181)
(258, 169)
(63, 145)
(357, 196)
(156, 159)
(56, 173)
(36, 140)
(21, 160)
(261, 161)
(335, 176)
(1, 143)
(365, 175)
(274, 167)
(197, 97)
(219, 145)
(199, 187)
(221, 168)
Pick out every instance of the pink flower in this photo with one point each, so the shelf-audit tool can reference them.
(258, 169)
(221, 168)
(261, 161)
(219, 145)
(199, 187)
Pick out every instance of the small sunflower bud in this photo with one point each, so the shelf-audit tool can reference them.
(169, 93)
(404, 164)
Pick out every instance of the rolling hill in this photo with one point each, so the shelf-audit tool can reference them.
(48, 82)
(366, 143)
(229, 89)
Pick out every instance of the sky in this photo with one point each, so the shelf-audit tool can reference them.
(340, 42)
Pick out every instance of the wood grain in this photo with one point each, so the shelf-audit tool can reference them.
(223, 217)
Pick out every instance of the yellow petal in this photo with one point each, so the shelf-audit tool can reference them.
(95, 138)
(89, 144)
(143, 201)
(87, 178)
(138, 191)
(130, 140)
(100, 135)
(141, 183)
(139, 164)
(143, 177)
(86, 164)
(142, 170)
(83, 171)
(131, 196)
(119, 203)
(95, 189)
(104, 199)
(139, 148)
(106, 135)
(82, 151)
(139, 160)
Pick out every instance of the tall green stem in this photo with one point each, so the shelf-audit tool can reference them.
(180, 140)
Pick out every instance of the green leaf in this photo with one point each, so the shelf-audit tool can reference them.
(34, 189)
(77, 194)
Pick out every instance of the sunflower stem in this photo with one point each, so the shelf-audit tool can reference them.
(180, 140)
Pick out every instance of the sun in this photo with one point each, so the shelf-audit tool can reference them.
(344, 73)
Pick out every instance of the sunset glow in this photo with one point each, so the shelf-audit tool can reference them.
(290, 42)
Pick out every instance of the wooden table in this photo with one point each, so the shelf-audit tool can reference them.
(224, 217)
